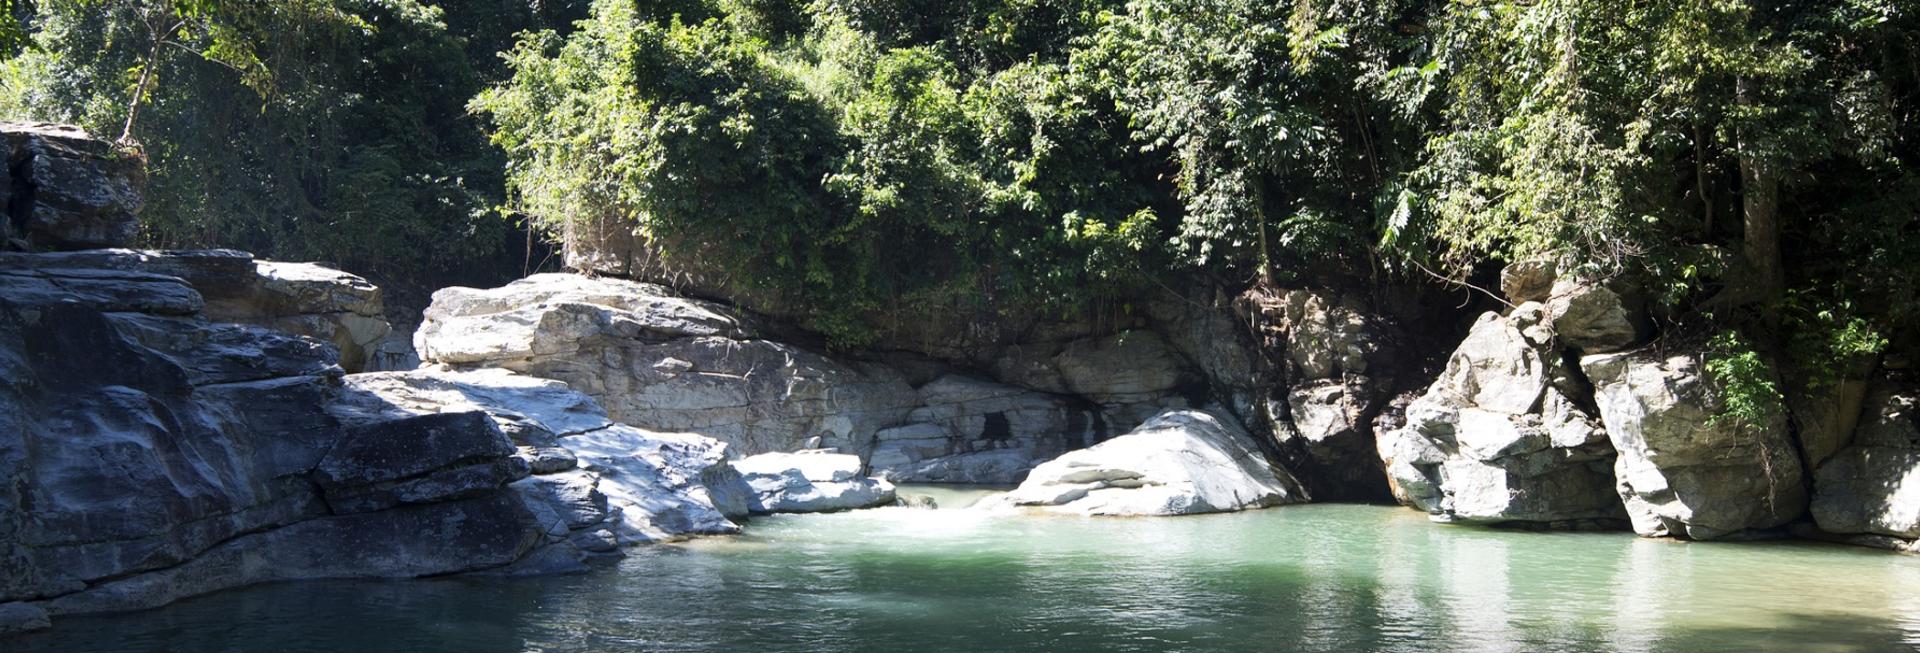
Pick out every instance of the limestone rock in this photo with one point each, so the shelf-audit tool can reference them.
(1680, 471)
(659, 361)
(1596, 318)
(1328, 351)
(662, 486)
(1177, 463)
(968, 430)
(70, 190)
(1528, 281)
(1869, 487)
(1500, 437)
(810, 481)
(310, 300)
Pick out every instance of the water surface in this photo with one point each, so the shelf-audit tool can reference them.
(1302, 578)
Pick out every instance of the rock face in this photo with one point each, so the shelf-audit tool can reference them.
(150, 454)
(1180, 462)
(967, 430)
(661, 361)
(298, 298)
(68, 190)
(1501, 436)
(1680, 471)
(1872, 486)
(1327, 349)
(641, 486)
(1130, 375)
(810, 481)
(310, 300)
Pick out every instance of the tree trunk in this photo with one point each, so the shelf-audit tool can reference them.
(1760, 204)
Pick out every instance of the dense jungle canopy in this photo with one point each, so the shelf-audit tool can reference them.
(1749, 164)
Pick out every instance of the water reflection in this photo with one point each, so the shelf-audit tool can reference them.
(1311, 578)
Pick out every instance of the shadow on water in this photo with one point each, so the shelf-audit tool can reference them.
(1314, 578)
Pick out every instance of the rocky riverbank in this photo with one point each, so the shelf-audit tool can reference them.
(180, 422)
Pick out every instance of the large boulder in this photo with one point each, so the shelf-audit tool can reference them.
(660, 361)
(1180, 462)
(68, 190)
(1595, 318)
(1872, 486)
(1501, 436)
(810, 481)
(1683, 471)
(968, 430)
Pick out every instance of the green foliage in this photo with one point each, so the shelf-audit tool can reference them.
(1749, 397)
(309, 130)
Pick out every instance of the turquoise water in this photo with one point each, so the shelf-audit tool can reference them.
(1303, 578)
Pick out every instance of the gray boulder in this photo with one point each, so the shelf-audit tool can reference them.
(1500, 437)
(1680, 471)
(810, 481)
(1596, 318)
(1528, 281)
(1179, 462)
(659, 361)
(1865, 487)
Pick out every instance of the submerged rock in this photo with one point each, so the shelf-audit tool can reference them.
(810, 481)
(1179, 462)
(1500, 436)
(1681, 472)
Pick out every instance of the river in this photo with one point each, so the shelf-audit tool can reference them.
(1301, 578)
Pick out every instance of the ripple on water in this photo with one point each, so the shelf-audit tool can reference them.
(1301, 578)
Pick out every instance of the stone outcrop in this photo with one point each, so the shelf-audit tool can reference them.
(1130, 375)
(967, 430)
(660, 361)
(1682, 472)
(304, 299)
(150, 453)
(810, 481)
(1327, 354)
(1179, 462)
(1871, 487)
(1502, 436)
(67, 190)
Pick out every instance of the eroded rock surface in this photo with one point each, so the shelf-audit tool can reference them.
(1501, 435)
(968, 430)
(1179, 462)
(1680, 471)
(1872, 486)
(659, 361)
(67, 190)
